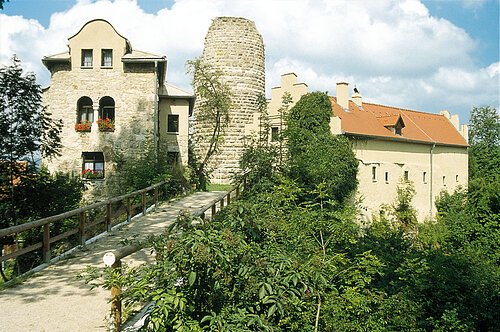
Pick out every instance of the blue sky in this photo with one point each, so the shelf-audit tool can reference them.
(423, 55)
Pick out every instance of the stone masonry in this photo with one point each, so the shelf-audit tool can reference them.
(234, 46)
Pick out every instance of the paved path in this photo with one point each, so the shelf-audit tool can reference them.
(54, 300)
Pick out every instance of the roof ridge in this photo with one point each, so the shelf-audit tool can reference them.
(403, 109)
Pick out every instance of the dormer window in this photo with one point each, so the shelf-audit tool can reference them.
(398, 130)
(106, 58)
(393, 122)
(87, 58)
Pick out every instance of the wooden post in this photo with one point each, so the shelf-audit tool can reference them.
(81, 228)
(129, 210)
(156, 197)
(238, 191)
(214, 210)
(229, 198)
(46, 243)
(144, 203)
(222, 203)
(116, 303)
(108, 217)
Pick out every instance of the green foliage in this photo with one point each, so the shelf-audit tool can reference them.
(213, 104)
(25, 126)
(39, 195)
(308, 134)
(484, 140)
(134, 172)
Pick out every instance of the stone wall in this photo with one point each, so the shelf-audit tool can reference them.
(234, 46)
(134, 96)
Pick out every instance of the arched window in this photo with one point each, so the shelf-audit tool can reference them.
(107, 108)
(85, 111)
(106, 121)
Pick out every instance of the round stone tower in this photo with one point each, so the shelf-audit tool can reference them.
(234, 46)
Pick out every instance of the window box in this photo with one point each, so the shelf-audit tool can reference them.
(83, 126)
(89, 174)
(106, 124)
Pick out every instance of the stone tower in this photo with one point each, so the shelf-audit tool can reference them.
(234, 46)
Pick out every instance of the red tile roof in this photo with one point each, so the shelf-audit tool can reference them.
(372, 119)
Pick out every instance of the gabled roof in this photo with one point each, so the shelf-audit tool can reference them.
(373, 120)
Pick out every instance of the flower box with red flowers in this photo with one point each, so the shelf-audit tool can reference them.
(92, 175)
(83, 126)
(106, 124)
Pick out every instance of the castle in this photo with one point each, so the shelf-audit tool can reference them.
(114, 98)
(390, 143)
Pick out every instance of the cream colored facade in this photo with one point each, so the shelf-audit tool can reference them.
(432, 162)
(101, 76)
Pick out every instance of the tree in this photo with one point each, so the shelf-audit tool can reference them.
(484, 140)
(316, 156)
(2, 3)
(26, 129)
(213, 105)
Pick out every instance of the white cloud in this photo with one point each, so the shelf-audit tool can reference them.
(394, 51)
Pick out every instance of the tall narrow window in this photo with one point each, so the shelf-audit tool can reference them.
(106, 121)
(444, 180)
(84, 114)
(406, 175)
(93, 165)
(374, 173)
(456, 178)
(106, 58)
(274, 134)
(173, 123)
(424, 177)
(386, 177)
(87, 58)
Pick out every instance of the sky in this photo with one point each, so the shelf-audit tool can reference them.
(416, 54)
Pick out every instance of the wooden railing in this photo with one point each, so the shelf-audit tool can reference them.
(118, 255)
(83, 225)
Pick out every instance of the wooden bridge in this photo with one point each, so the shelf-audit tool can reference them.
(53, 299)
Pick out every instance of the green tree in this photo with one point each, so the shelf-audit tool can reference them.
(316, 156)
(484, 140)
(2, 2)
(26, 130)
(213, 105)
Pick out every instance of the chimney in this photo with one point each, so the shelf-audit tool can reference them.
(343, 95)
(357, 99)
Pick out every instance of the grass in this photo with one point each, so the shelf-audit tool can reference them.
(219, 187)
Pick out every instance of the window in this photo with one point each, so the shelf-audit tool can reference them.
(173, 123)
(398, 130)
(274, 134)
(406, 175)
(444, 180)
(374, 173)
(172, 158)
(386, 177)
(93, 165)
(456, 178)
(424, 177)
(85, 111)
(87, 58)
(106, 121)
(106, 58)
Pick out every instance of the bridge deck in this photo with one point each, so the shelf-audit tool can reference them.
(54, 300)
